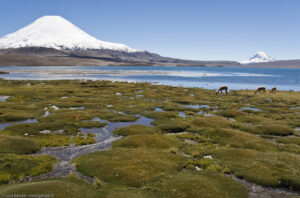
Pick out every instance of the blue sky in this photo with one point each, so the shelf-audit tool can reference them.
(191, 29)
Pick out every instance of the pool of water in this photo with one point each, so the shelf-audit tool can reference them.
(3, 98)
(182, 114)
(197, 106)
(77, 108)
(250, 108)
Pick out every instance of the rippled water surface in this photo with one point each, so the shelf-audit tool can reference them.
(205, 77)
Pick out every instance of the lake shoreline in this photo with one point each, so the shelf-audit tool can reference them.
(204, 77)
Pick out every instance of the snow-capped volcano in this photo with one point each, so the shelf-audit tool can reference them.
(57, 32)
(259, 57)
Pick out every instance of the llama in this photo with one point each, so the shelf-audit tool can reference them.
(273, 90)
(225, 88)
(260, 90)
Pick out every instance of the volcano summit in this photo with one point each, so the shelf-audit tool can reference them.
(58, 33)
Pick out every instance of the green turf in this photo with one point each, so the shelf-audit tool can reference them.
(19, 167)
(133, 130)
(18, 145)
(131, 167)
(260, 147)
(147, 141)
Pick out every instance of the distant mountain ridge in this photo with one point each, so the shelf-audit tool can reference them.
(54, 41)
(259, 57)
(40, 56)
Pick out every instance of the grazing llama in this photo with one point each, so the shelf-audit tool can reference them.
(260, 90)
(221, 89)
(273, 90)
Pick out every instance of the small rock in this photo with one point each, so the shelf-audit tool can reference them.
(198, 169)
(55, 107)
(207, 157)
(45, 132)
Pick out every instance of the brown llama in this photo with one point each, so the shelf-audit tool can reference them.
(273, 90)
(260, 90)
(221, 89)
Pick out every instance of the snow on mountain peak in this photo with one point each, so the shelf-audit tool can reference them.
(259, 57)
(56, 32)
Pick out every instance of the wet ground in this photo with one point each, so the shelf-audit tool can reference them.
(256, 191)
(104, 139)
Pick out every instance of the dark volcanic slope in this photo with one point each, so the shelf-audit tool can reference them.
(34, 56)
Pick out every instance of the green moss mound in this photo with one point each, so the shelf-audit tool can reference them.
(267, 169)
(18, 167)
(18, 145)
(289, 140)
(147, 141)
(174, 126)
(212, 122)
(231, 113)
(59, 188)
(131, 167)
(160, 115)
(73, 188)
(237, 139)
(133, 130)
(113, 116)
(272, 129)
(201, 184)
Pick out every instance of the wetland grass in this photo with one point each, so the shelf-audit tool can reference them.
(176, 157)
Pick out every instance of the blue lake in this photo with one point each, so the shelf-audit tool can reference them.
(204, 77)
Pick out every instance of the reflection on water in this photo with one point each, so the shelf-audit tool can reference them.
(197, 106)
(250, 108)
(3, 98)
(182, 114)
(204, 77)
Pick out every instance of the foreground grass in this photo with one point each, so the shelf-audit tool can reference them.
(18, 145)
(19, 167)
(132, 167)
(176, 157)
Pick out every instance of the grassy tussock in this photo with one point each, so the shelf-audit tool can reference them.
(133, 130)
(18, 145)
(18, 167)
(131, 167)
(147, 141)
(147, 157)
(201, 184)
(268, 169)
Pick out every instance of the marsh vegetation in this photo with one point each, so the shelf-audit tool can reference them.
(161, 153)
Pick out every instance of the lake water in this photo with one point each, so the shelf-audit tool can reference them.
(205, 77)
